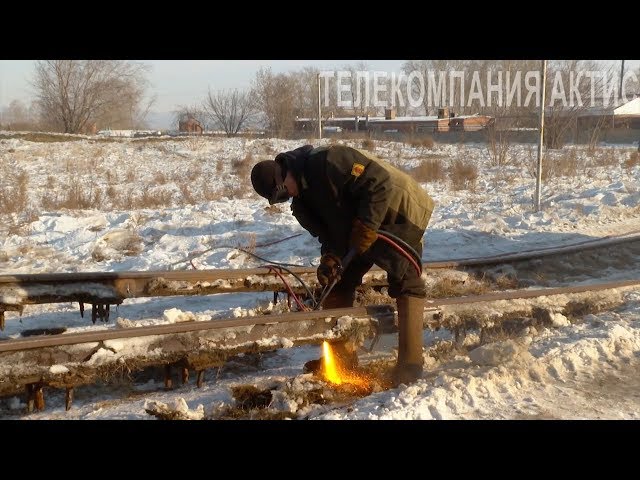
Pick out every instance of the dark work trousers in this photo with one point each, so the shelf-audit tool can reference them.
(401, 274)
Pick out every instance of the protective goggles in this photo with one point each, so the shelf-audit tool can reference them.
(280, 194)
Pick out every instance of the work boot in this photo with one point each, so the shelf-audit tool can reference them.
(347, 358)
(410, 325)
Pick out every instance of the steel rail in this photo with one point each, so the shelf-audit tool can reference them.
(241, 273)
(539, 253)
(101, 289)
(87, 337)
(183, 327)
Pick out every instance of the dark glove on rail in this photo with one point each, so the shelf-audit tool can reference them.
(330, 269)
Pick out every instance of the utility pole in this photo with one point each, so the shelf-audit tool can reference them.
(319, 112)
(541, 138)
(621, 77)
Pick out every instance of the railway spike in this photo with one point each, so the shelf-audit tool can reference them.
(81, 309)
(30, 397)
(168, 383)
(94, 313)
(185, 375)
(68, 398)
(200, 379)
(39, 397)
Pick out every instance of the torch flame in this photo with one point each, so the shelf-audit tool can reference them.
(329, 364)
(335, 373)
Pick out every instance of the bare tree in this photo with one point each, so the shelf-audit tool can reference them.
(18, 117)
(504, 105)
(133, 109)
(440, 82)
(560, 118)
(275, 96)
(360, 89)
(306, 91)
(595, 131)
(231, 109)
(73, 94)
(16, 112)
(396, 95)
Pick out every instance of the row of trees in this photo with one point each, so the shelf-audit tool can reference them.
(582, 83)
(275, 99)
(74, 95)
(18, 116)
(272, 103)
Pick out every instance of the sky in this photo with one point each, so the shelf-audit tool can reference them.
(578, 370)
(183, 82)
(186, 82)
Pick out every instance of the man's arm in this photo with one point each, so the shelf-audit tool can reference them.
(310, 223)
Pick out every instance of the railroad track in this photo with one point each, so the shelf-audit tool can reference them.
(103, 289)
(29, 364)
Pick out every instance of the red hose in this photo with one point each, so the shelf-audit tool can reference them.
(402, 252)
(301, 306)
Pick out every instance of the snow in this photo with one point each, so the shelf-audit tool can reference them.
(58, 369)
(175, 315)
(176, 204)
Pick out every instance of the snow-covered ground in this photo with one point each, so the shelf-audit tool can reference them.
(158, 204)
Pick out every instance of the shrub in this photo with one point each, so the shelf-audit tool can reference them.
(368, 144)
(463, 175)
(632, 161)
(430, 170)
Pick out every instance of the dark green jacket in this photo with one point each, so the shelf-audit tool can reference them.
(339, 183)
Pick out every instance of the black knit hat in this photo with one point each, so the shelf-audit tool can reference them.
(285, 158)
(266, 177)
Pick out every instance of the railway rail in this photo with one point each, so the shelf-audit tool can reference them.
(29, 364)
(103, 289)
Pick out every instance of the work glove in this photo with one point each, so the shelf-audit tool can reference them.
(330, 269)
(362, 237)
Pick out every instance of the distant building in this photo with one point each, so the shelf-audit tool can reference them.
(626, 115)
(390, 123)
(469, 123)
(115, 133)
(613, 115)
(190, 125)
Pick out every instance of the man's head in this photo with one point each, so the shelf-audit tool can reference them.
(274, 179)
(267, 178)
